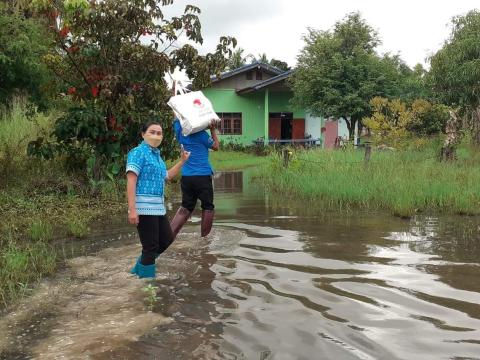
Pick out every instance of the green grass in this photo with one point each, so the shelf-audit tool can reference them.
(403, 182)
(22, 265)
(16, 131)
(230, 160)
(39, 201)
(41, 231)
(25, 243)
(77, 226)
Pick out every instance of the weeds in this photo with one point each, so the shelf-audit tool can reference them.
(41, 231)
(151, 298)
(77, 226)
(22, 266)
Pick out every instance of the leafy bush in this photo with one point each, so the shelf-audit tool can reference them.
(427, 118)
(394, 122)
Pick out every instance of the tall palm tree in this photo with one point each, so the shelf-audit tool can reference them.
(237, 59)
(263, 58)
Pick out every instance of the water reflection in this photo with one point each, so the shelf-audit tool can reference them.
(231, 182)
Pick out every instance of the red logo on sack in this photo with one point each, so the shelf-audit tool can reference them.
(197, 103)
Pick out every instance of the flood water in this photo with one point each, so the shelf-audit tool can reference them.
(274, 280)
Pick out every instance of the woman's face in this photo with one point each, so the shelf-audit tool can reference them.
(153, 136)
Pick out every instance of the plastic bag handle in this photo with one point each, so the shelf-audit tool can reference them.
(178, 87)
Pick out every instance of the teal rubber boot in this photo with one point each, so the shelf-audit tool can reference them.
(146, 271)
(143, 271)
(135, 267)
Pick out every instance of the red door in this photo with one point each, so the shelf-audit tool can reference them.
(331, 133)
(275, 128)
(298, 130)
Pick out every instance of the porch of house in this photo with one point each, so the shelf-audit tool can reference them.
(283, 128)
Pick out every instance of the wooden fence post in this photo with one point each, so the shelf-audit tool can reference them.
(368, 153)
(286, 158)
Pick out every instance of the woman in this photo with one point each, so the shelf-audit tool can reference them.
(146, 176)
(196, 180)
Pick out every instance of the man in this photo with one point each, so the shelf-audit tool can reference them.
(196, 182)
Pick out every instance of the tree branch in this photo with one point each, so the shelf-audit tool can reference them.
(77, 67)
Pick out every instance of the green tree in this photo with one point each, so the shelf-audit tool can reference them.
(405, 83)
(455, 71)
(339, 71)
(415, 85)
(112, 57)
(237, 60)
(22, 45)
(19, 6)
(279, 64)
(263, 58)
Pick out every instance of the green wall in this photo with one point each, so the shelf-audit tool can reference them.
(280, 102)
(252, 107)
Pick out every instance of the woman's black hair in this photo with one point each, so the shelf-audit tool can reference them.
(148, 124)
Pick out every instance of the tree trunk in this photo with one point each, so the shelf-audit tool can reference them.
(360, 128)
(449, 148)
(351, 127)
(475, 126)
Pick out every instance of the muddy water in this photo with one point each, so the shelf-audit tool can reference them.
(273, 281)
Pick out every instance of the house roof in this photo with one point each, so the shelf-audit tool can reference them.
(255, 65)
(264, 84)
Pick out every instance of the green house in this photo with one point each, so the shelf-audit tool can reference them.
(253, 103)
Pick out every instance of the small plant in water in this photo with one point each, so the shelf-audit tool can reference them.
(151, 297)
(77, 227)
(41, 231)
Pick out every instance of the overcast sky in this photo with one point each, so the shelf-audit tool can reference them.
(414, 29)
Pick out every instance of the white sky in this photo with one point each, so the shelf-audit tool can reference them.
(414, 29)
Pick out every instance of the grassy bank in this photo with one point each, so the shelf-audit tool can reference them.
(31, 222)
(40, 201)
(403, 182)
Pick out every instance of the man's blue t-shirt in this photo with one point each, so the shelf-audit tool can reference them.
(198, 144)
